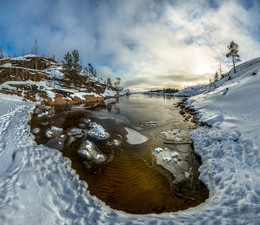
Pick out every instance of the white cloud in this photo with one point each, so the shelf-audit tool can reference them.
(147, 43)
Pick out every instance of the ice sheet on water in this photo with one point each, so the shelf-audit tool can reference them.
(134, 137)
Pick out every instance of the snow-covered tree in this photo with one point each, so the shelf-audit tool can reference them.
(233, 52)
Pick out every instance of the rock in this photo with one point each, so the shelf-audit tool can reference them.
(182, 112)
(89, 151)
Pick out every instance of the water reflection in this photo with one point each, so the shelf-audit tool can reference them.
(123, 175)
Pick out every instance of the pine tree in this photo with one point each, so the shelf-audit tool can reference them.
(71, 68)
(233, 52)
(109, 83)
(90, 69)
(216, 77)
(117, 83)
(67, 64)
(77, 79)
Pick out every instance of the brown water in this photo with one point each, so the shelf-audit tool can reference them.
(129, 180)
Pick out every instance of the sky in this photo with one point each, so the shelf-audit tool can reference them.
(147, 43)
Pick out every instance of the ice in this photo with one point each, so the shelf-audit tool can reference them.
(115, 142)
(158, 149)
(175, 135)
(175, 155)
(167, 159)
(43, 114)
(134, 137)
(97, 131)
(36, 130)
(53, 131)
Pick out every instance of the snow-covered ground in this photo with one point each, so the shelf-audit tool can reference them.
(38, 186)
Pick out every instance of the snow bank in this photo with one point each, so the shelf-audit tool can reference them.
(230, 148)
(109, 93)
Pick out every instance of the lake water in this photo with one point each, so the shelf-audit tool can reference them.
(127, 176)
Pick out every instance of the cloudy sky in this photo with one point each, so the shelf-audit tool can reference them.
(148, 43)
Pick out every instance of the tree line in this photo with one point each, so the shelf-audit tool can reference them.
(76, 75)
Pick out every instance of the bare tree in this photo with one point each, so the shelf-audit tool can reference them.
(1, 52)
(35, 47)
(220, 71)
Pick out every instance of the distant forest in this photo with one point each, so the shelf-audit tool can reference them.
(165, 90)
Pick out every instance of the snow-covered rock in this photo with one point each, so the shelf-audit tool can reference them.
(88, 150)
(97, 131)
(53, 131)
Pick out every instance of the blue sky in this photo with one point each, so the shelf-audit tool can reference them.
(148, 43)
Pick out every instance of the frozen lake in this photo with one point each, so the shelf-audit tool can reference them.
(134, 152)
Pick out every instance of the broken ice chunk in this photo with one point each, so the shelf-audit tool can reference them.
(43, 114)
(167, 159)
(134, 137)
(158, 150)
(175, 155)
(187, 174)
(115, 142)
(36, 130)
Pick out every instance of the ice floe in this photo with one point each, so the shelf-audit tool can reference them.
(134, 137)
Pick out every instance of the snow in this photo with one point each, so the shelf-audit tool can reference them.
(109, 93)
(51, 95)
(82, 94)
(97, 131)
(38, 186)
(7, 65)
(134, 137)
(88, 150)
(53, 131)
(55, 72)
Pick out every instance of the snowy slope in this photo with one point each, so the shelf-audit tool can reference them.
(230, 148)
(243, 70)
